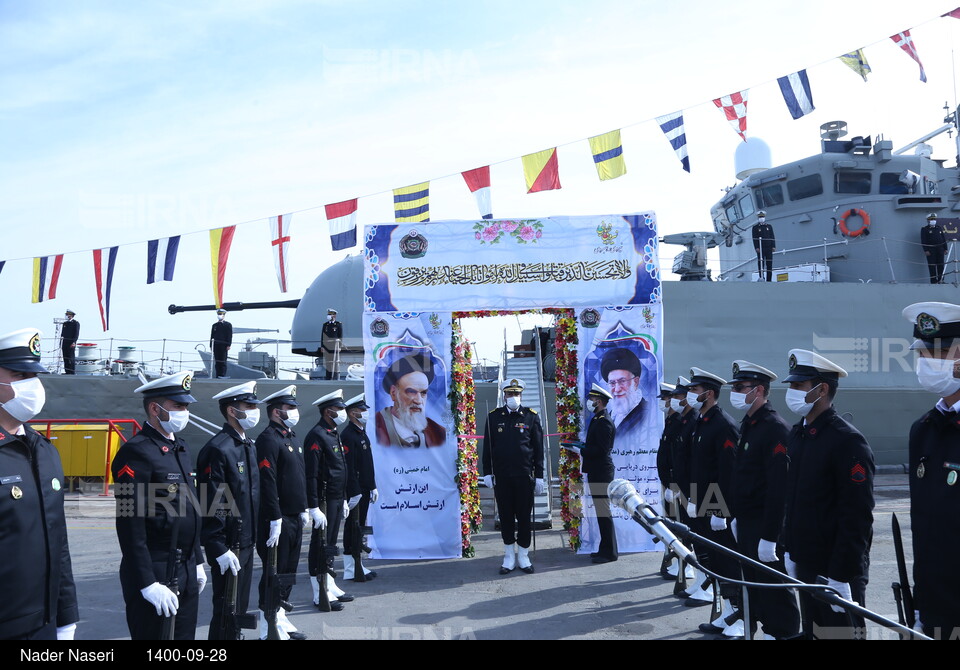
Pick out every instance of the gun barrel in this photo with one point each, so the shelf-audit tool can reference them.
(235, 306)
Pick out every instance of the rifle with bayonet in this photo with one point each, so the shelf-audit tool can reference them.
(359, 574)
(901, 590)
(174, 558)
(231, 622)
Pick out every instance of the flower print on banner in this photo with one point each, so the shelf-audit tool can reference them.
(524, 231)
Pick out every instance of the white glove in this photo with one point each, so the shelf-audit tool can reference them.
(319, 518)
(844, 589)
(66, 632)
(691, 510)
(305, 519)
(487, 480)
(162, 598)
(539, 488)
(733, 528)
(201, 578)
(668, 495)
(353, 502)
(374, 496)
(790, 565)
(274, 535)
(346, 512)
(718, 523)
(767, 551)
(228, 561)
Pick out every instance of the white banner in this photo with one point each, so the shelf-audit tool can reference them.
(407, 379)
(620, 350)
(562, 261)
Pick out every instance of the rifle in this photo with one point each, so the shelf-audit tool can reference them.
(272, 594)
(174, 558)
(324, 604)
(901, 589)
(681, 583)
(232, 622)
(359, 575)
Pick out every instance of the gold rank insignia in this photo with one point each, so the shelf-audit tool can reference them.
(172, 488)
(16, 493)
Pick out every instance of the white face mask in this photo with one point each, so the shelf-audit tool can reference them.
(331, 317)
(739, 400)
(251, 418)
(675, 405)
(176, 421)
(591, 406)
(797, 401)
(932, 223)
(220, 317)
(513, 402)
(28, 399)
(936, 376)
(364, 415)
(760, 219)
(293, 418)
(665, 406)
(341, 417)
(692, 400)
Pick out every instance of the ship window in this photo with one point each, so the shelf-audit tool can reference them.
(805, 187)
(890, 184)
(768, 196)
(746, 206)
(852, 182)
(732, 215)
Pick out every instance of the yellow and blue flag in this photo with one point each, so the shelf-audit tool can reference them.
(607, 150)
(411, 204)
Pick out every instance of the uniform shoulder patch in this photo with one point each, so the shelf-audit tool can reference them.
(532, 410)
(858, 474)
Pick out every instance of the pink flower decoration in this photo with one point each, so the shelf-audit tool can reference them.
(539, 234)
(509, 226)
(527, 233)
(478, 236)
(490, 234)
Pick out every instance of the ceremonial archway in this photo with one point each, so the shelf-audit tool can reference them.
(597, 275)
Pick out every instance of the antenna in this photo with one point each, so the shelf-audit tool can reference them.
(833, 130)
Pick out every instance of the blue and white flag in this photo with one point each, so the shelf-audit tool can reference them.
(162, 258)
(672, 127)
(104, 261)
(796, 93)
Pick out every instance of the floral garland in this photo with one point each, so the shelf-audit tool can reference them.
(462, 397)
(568, 421)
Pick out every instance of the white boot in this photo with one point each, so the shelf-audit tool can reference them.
(283, 623)
(523, 559)
(673, 569)
(348, 566)
(333, 591)
(315, 583)
(264, 625)
(699, 579)
(734, 630)
(509, 559)
(726, 609)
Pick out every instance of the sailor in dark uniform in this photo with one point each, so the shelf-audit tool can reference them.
(757, 496)
(69, 334)
(38, 599)
(764, 244)
(361, 481)
(665, 463)
(935, 470)
(700, 590)
(230, 485)
(326, 470)
(829, 514)
(597, 460)
(512, 465)
(331, 340)
(221, 337)
(156, 499)
(283, 500)
(713, 451)
(933, 240)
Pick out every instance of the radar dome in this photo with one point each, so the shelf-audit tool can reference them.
(751, 156)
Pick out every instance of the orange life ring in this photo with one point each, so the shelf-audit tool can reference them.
(859, 231)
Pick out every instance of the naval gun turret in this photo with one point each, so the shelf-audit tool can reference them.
(691, 264)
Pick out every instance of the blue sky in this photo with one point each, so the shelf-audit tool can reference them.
(121, 122)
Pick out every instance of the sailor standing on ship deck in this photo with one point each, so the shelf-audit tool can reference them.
(934, 242)
(764, 244)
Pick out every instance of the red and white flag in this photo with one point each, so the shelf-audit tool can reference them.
(478, 181)
(734, 107)
(342, 219)
(906, 43)
(280, 241)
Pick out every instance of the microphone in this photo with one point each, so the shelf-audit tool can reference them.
(623, 494)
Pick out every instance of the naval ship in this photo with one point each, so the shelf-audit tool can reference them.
(848, 259)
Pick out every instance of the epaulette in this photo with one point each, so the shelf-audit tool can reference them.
(532, 410)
